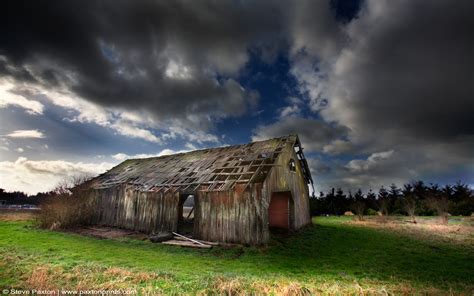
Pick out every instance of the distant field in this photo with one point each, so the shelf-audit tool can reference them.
(334, 256)
(17, 214)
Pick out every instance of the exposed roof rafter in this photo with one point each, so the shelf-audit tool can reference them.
(213, 169)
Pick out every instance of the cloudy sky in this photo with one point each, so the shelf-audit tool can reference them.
(379, 91)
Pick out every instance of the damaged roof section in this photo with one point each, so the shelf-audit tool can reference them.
(214, 169)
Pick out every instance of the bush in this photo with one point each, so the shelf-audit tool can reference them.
(62, 212)
(68, 205)
(372, 212)
(464, 207)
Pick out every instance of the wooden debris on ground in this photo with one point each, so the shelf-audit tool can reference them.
(183, 243)
(187, 238)
(201, 241)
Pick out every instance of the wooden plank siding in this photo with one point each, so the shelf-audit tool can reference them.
(150, 212)
(232, 216)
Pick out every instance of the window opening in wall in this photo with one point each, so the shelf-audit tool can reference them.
(292, 165)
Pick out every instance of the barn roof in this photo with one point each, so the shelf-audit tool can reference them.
(216, 168)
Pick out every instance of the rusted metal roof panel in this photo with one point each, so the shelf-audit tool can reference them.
(214, 169)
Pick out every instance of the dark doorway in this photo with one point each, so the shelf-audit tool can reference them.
(186, 214)
(279, 210)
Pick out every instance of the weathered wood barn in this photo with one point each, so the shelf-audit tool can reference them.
(240, 192)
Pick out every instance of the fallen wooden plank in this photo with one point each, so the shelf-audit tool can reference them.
(204, 242)
(221, 244)
(208, 243)
(185, 244)
(187, 238)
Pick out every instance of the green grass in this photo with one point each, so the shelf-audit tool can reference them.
(330, 257)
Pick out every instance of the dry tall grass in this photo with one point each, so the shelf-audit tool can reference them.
(427, 230)
(287, 287)
(17, 215)
(69, 205)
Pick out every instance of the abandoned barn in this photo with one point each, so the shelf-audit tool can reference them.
(240, 192)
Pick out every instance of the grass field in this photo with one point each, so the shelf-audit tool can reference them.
(333, 256)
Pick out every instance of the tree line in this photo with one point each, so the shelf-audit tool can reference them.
(21, 198)
(413, 199)
(64, 187)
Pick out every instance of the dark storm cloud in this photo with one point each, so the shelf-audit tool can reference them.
(408, 70)
(406, 84)
(314, 29)
(177, 59)
(314, 133)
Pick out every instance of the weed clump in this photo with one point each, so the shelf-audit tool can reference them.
(69, 205)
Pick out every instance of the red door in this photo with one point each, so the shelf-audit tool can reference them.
(278, 210)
